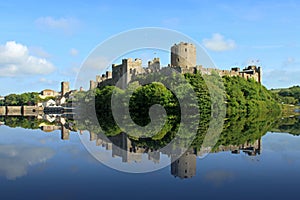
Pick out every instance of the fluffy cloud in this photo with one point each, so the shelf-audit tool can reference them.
(67, 25)
(15, 60)
(219, 43)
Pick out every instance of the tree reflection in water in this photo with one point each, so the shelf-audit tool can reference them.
(240, 134)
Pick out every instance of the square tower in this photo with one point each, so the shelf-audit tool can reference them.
(65, 88)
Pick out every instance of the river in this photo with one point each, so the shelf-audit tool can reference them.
(56, 160)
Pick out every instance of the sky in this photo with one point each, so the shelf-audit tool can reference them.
(45, 42)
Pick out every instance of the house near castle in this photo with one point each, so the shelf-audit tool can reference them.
(61, 97)
(183, 59)
(48, 93)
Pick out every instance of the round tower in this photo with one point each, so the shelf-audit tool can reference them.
(183, 55)
(185, 166)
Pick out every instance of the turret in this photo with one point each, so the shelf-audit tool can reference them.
(183, 55)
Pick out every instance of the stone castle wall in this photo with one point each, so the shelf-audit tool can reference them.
(183, 59)
(2, 110)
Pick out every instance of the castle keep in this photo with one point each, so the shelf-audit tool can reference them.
(183, 59)
(183, 55)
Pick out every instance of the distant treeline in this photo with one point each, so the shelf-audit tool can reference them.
(287, 95)
(29, 98)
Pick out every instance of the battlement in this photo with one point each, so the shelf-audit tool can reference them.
(154, 65)
(183, 60)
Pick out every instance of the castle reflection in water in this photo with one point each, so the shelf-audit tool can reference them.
(123, 147)
(184, 167)
(58, 122)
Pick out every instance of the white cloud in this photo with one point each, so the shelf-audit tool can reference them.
(15, 60)
(74, 52)
(67, 25)
(219, 43)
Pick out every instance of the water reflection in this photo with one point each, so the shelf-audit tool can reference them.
(241, 135)
(46, 123)
(15, 159)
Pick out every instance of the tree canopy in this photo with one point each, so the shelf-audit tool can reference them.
(289, 95)
(29, 98)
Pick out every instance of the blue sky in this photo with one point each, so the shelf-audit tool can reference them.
(45, 42)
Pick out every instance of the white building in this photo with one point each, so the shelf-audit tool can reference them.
(48, 103)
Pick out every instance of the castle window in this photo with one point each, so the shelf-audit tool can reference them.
(185, 49)
(178, 59)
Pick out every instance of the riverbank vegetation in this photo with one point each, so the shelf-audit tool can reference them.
(24, 99)
(289, 95)
(29, 98)
(245, 101)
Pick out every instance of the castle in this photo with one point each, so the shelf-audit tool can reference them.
(183, 59)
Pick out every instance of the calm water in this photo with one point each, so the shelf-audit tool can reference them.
(45, 163)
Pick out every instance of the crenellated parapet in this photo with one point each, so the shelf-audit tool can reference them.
(183, 60)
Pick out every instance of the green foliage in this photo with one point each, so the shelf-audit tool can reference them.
(202, 93)
(146, 96)
(45, 99)
(248, 97)
(104, 110)
(289, 125)
(241, 129)
(30, 98)
(20, 121)
(246, 102)
(287, 95)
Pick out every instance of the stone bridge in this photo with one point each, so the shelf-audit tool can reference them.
(20, 110)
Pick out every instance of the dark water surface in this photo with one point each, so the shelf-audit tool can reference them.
(36, 164)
